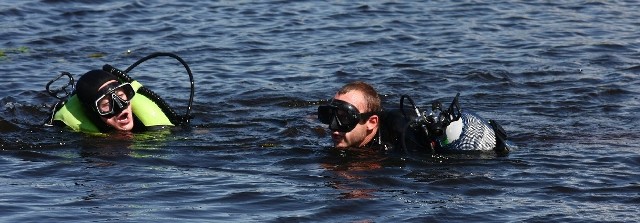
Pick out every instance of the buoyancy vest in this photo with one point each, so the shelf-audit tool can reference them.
(149, 113)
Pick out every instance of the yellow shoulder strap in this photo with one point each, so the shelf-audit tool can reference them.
(147, 110)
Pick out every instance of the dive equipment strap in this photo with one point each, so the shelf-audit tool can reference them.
(56, 92)
(67, 89)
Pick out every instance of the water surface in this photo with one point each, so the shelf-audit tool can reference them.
(562, 79)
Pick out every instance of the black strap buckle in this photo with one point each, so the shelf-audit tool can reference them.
(64, 89)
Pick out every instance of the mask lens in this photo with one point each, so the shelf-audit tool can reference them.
(345, 117)
(105, 104)
(122, 94)
(339, 115)
(325, 113)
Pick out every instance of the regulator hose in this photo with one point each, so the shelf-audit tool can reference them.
(175, 118)
(419, 122)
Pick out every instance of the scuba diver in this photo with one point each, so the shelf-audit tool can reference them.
(356, 119)
(106, 98)
(349, 126)
(109, 100)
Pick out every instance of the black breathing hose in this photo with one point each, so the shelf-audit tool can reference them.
(176, 119)
(418, 121)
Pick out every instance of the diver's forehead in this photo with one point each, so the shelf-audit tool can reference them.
(354, 97)
(106, 83)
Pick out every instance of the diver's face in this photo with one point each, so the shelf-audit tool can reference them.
(358, 136)
(122, 121)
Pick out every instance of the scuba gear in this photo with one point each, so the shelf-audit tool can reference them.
(451, 130)
(55, 93)
(341, 116)
(432, 125)
(74, 114)
(113, 98)
(175, 118)
(147, 106)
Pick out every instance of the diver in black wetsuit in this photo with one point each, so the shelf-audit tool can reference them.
(356, 119)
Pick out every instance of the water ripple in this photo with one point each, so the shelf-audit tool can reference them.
(561, 78)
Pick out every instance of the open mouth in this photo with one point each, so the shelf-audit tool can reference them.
(123, 118)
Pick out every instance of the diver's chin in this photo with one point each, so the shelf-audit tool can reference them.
(338, 140)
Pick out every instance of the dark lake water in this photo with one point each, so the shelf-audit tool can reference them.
(562, 77)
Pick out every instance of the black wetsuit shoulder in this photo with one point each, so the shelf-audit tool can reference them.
(393, 126)
(138, 126)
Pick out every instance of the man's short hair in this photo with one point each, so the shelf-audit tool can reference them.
(370, 94)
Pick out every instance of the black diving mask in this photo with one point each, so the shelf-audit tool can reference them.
(341, 116)
(113, 99)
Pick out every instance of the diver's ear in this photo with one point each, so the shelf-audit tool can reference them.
(372, 122)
